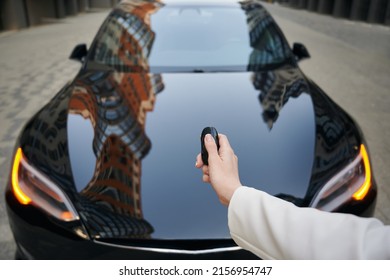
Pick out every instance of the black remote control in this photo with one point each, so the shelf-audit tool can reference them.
(214, 133)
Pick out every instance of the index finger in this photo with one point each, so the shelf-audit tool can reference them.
(223, 142)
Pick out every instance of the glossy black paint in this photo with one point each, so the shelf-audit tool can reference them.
(121, 142)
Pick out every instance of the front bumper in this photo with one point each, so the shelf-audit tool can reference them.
(37, 236)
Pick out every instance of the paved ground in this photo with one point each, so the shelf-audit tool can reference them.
(350, 61)
(34, 65)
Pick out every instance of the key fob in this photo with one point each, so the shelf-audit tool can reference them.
(204, 153)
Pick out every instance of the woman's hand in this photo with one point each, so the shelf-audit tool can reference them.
(222, 171)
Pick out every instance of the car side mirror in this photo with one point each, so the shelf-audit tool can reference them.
(79, 52)
(300, 51)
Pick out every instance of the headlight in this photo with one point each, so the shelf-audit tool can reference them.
(32, 187)
(354, 181)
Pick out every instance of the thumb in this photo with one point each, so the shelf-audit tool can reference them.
(211, 147)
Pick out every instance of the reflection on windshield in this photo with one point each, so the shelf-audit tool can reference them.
(191, 38)
(125, 39)
(268, 45)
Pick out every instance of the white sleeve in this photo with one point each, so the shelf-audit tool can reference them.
(272, 228)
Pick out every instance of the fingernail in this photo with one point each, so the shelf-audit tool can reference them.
(209, 138)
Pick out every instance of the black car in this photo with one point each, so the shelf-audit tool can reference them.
(105, 170)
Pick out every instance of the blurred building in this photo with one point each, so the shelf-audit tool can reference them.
(17, 14)
(372, 11)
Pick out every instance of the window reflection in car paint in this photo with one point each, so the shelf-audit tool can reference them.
(275, 89)
(119, 144)
(335, 143)
(116, 104)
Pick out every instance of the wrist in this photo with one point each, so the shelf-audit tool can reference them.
(232, 190)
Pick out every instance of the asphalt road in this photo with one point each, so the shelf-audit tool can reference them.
(350, 61)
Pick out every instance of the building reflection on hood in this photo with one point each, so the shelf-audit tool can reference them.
(331, 149)
(116, 104)
(276, 87)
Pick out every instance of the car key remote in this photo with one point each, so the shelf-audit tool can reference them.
(214, 134)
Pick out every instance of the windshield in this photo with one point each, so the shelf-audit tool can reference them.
(190, 38)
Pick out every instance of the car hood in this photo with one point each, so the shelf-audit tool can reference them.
(133, 139)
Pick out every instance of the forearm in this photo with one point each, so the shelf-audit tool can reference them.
(275, 229)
